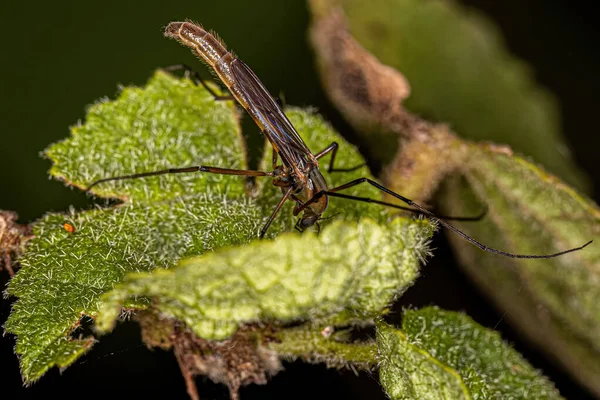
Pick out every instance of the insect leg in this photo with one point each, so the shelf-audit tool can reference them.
(200, 168)
(274, 213)
(333, 148)
(478, 217)
(189, 72)
(429, 214)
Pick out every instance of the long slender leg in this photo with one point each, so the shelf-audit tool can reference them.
(283, 199)
(196, 76)
(333, 193)
(399, 207)
(200, 168)
(333, 148)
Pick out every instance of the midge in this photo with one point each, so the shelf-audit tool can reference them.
(298, 175)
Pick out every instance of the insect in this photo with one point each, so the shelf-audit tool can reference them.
(69, 228)
(298, 175)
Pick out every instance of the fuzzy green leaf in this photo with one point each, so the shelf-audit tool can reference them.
(321, 343)
(348, 270)
(445, 355)
(554, 301)
(169, 123)
(462, 74)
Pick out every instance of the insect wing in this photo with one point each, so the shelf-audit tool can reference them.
(283, 132)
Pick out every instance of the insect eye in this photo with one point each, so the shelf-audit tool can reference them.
(309, 221)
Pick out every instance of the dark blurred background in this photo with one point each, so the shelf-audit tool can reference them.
(56, 59)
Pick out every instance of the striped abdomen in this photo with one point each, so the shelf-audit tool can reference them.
(210, 49)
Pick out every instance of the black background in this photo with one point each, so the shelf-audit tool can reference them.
(55, 59)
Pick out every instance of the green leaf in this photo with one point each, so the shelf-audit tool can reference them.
(460, 73)
(347, 271)
(553, 301)
(169, 123)
(321, 343)
(445, 355)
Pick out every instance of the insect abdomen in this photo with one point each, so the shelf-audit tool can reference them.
(206, 45)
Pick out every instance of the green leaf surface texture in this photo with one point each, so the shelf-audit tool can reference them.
(445, 355)
(554, 301)
(355, 269)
